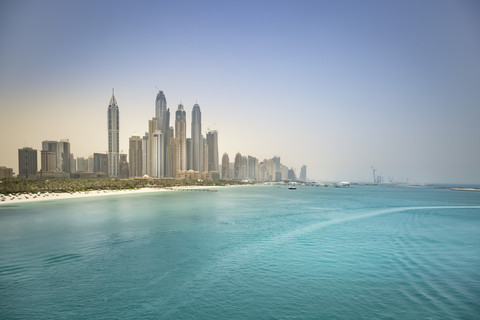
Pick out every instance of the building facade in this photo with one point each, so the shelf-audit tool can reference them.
(225, 166)
(212, 142)
(6, 172)
(237, 167)
(181, 134)
(48, 161)
(157, 155)
(27, 163)
(135, 156)
(113, 137)
(100, 163)
(303, 173)
(162, 114)
(196, 137)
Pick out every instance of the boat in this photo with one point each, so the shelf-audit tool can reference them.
(292, 188)
(343, 184)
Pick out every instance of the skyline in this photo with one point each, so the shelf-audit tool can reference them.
(336, 86)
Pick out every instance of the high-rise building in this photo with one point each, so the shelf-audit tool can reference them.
(48, 161)
(113, 137)
(173, 159)
(245, 167)
(157, 155)
(90, 164)
(181, 134)
(204, 154)
(252, 168)
(196, 138)
(291, 174)
(278, 172)
(123, 170)
(82, 164)
(62, 151)
(152, 128)
(145, 154)
(135, 156)
(73, 163)
(6, 172)
(162, 114)
(212, 141)
(27, 163)
(100, 163)
(189, 153)
(225, 166)
(237, 167)
(303, 173)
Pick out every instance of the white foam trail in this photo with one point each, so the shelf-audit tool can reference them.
(319, 225)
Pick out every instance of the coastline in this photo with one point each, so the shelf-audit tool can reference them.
(52, 196)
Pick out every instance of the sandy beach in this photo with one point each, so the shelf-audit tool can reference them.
(49, 196)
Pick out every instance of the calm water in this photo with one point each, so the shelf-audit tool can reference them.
(244, 253)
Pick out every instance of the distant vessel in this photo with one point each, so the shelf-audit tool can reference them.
(343, 184)
(292, 187)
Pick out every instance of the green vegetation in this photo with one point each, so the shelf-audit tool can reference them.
(21, 185)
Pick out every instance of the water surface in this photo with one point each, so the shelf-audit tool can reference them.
(259, 252)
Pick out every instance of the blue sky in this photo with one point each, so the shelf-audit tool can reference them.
(336, 85)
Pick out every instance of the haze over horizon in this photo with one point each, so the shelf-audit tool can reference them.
(338, 86)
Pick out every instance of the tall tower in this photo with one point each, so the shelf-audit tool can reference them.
(237, 167)
(27, 163)
(196, 137)
(162, 114)
(153, 160)
(212, 141)
(113, 140)
(135, 156)
(225, 166)
(303, 173)
(181, 134)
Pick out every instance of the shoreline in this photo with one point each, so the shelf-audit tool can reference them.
(52, 196)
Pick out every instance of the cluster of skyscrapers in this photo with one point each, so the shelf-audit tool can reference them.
(164, 151)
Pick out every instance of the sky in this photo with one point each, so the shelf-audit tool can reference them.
(339, 86)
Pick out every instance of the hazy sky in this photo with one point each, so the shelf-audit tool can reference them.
(336, 85)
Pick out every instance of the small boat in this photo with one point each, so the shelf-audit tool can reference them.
(343, 184)
(292, 188)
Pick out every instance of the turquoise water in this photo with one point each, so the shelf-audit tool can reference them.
(258, 252)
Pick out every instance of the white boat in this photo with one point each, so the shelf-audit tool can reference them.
(343, 184)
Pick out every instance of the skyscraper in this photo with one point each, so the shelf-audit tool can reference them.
(123, 167)
(252, 167)
(212, 141)
(100, 163)
(157, 154)
(135, 156)
(303, 173)
(152, 159)
(62, 154)
(27, 163)
(181, 134)
(291, 174)
(189, 153)
(196, 137)
(237, 167)
(162, 114)
(204, 153)
(225, 166)
(173, 151)
(48, 161)
(145, 154)
(113, 137)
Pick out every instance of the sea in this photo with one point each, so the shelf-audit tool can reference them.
(244, 252)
